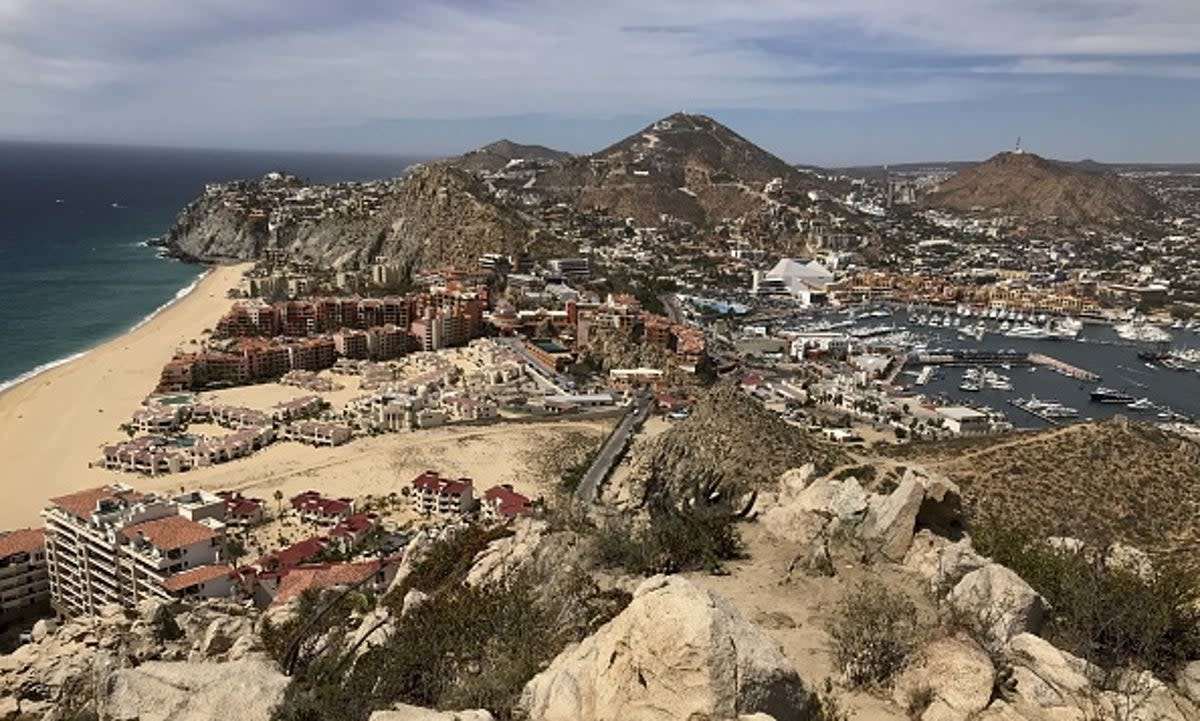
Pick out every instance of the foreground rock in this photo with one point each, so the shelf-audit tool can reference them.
(676, 652)
(922, 500)
(1000, 602)
(404, 712)
(172, 691)
(956, 675)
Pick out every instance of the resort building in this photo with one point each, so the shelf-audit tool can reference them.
(316, 433)
(312, 506)
(115, 545)
(502, 503)
(24, 581)
(434, 495)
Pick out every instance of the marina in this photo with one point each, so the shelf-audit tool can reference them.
(956, 358)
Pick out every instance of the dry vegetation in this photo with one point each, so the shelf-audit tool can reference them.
(1100, 482)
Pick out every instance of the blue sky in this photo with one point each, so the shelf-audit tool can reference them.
(831, 82)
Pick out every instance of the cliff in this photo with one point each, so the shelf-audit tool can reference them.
(436, 215)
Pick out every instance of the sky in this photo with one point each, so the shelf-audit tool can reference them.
(828, 82)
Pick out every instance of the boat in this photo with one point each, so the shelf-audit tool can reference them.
(1142, 332)
(1005, 326)
(970, 386)
(1111, 396)
(1031, 332)
(1141, 405)
(1067, 328)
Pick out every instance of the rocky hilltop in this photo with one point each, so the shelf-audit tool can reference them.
(688, 166)
(496, 156)
(1029, 186)
(435, 215)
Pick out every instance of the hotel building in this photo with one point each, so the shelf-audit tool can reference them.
(114, 545)
(24, 583)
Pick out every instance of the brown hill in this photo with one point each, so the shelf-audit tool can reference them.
(1099, 482)
(1034, 188)
(688, 166)
(729, 437)
(495, 156)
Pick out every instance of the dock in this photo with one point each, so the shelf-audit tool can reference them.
(1063, 367)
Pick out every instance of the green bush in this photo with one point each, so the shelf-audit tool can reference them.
(875, 632)
(1109, 616)
(672, 541)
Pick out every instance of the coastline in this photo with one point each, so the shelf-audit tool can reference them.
(56, 417)
(29, 375)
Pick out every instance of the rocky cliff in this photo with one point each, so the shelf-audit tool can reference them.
(436, 215)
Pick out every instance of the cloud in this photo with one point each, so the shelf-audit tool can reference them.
(163, 70)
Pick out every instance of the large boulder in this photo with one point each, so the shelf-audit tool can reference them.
(956, 674)
(676, 652)
(922, 500)
(404, 712)
(1043, 676)
(533, 551)
(165, 691)
(1188, 679)
(942, 563)
(998, 602)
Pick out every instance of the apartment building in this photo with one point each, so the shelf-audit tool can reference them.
(24, 582)
(114, 545)
(434, 495)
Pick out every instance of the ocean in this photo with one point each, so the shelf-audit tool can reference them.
(74, 219)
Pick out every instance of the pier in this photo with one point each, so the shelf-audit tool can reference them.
(1062, 367)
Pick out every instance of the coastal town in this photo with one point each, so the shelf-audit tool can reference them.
(301, 424)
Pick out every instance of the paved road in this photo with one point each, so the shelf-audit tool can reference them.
(556, 383)
(604, 461)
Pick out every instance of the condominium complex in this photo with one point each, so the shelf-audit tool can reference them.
(24, 583)
(115, 545)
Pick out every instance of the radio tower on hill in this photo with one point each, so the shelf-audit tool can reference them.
(1018, 150)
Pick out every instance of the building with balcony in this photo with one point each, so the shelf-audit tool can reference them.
(114, 545)
(24, 582)
(434, 495)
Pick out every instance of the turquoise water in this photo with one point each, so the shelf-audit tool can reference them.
(74, 269)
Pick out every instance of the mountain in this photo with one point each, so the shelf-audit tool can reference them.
(493, 157)
(688, 166)
(1032, 187)
(435, 215)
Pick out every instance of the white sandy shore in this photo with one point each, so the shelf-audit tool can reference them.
(53, 424)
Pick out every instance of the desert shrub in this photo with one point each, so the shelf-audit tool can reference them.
(448, 561)
(875, 632)
(1110, 616)
(163, 625)
(919, 699)
(672, 541)
(464, 647)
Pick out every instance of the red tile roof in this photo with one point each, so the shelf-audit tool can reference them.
(170, 532)
(294, 554)
(433, 482)
(84, 503)
(197, 575)
(23, 540)
(302, 578)
(506, 501)
(351, 525)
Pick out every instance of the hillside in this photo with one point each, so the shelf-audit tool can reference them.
(688, 166)
(495, 156)
(1099, 482)
(731, 438)
(1029, 186)
(436, 215)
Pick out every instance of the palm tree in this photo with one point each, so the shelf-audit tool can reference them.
(278, 502)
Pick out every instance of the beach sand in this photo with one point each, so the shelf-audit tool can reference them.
(55, 424)
(52, 425)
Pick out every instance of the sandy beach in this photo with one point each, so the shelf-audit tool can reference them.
(52, 425)
(55, 424)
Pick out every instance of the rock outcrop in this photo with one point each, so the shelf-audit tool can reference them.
(1000, 601)
(205, 691)
(677, 651)
(956, 676)
(404, 712)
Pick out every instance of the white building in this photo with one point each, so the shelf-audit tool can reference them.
(964, 421)
(24, 582)
(802, 280)
(115, 545)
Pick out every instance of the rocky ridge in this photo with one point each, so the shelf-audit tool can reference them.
(435, 215)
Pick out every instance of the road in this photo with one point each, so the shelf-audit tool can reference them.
(613, 446)
(556, 383)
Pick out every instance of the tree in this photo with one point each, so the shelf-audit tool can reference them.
(278, 502)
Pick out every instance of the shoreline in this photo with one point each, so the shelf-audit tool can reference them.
(181, 294)
(55, 420)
